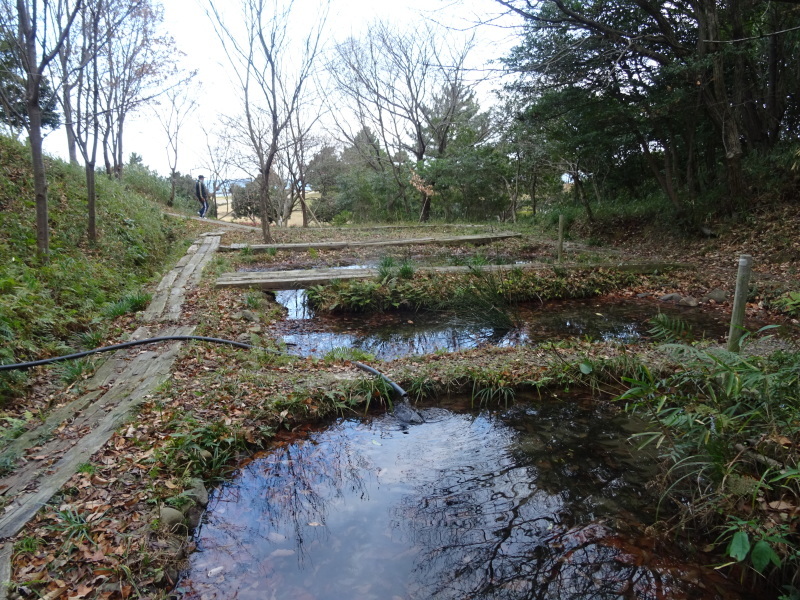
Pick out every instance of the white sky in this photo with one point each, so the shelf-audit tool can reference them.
(186, 21)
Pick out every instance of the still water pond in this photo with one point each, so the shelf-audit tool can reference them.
(545, 501)
(393, 335)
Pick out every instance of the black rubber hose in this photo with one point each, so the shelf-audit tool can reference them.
(47, 361)
(369, 369)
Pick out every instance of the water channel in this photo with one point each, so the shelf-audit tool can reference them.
(545, 500)
(393, 335)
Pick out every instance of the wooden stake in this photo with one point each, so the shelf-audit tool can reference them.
(739, 302)
(560, 238)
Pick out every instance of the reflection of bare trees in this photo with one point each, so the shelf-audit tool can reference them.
(289, 490)
(521, 517)
(389, 342)
(541, 504)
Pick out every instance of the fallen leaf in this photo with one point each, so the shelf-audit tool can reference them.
(782, 506)
(81, 592)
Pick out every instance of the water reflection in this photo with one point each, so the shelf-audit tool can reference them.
(545, 503)
(388, 343)
(295, 303)
(392, 335)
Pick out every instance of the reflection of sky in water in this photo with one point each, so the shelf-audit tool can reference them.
(427, 334)
(602, 327)
(295, 303)
(544, 503)
(387, 345)
(431, 332)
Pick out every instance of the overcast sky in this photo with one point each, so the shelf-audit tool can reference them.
(186, 21)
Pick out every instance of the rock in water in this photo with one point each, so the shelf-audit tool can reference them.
(407, 414)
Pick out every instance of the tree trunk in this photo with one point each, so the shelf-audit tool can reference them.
(580, 196)
(723, 114)
(91, 195)
(664, 180)
(118, 159)
(425, 213)
(39, 176)
(773, 111)
(171, 200)
(69, 126)
(304, 208)
(106, 148)
(265, 232)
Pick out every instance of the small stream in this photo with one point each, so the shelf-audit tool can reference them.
(545, 501)
(393, 335)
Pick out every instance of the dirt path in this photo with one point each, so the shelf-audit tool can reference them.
(48, 455)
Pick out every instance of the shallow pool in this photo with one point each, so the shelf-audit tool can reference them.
(546, 500)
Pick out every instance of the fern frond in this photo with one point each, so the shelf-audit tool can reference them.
(670, 329)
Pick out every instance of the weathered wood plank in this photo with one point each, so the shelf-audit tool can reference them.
(25, 504)
(123, 382)
(302, 279)
(257, 228)
(6, 551)
(168, 299)
(476, 240)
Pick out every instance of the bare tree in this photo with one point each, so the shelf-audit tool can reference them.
(181, 105)
(86, 125)
(76, 56)
(407, 87)
(300, 146)
(38, 32)
(220, 157)
(139, 63)
(273, 72)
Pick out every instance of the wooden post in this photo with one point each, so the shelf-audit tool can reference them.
(739, 302)
(560, 238)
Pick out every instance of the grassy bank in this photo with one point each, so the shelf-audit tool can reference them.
(68, 303)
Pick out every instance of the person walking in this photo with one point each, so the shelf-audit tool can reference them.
(201, 193)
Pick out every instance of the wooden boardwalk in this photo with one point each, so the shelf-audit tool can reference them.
(74, 432)
(304, 278)
(475, 240)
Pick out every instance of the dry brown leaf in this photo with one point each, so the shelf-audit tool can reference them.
(81, 592)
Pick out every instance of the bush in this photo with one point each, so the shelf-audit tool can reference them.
(144, 182)
(723, 424)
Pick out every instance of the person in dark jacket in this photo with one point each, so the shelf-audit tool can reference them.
(201, 193)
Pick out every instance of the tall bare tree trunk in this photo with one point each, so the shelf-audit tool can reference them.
(92, 200)
(39, 175)
(264, 204)
(69, 125)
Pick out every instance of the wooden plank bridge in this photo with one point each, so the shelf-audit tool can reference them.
(475, 240)
(301, 279)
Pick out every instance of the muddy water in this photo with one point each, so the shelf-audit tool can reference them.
(546, 501)
(389, 336)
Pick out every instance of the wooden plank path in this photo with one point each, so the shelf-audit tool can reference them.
(476, 240)
(301, 279)
(74, 432)
(257, 228)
